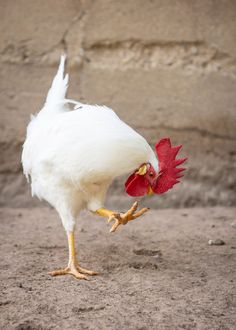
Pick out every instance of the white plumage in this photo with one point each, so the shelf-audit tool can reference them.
(72, 157)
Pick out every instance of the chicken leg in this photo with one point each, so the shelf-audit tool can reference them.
(73, 267)
(121, 218)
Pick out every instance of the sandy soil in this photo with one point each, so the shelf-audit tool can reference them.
(157, 272)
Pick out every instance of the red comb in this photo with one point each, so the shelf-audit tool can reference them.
(169, 172)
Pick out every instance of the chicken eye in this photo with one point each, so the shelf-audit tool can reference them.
(151, 174)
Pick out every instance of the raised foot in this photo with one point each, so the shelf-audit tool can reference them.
(123, 218)
(74, 270)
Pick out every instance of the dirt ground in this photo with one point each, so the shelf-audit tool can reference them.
(158, 272)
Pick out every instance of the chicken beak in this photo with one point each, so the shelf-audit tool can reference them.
(150, 191)
(142, 170)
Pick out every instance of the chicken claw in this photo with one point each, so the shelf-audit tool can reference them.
(73, 267)
(123, 218)
(75, 270)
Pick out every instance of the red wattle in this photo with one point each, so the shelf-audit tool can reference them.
(136, 185)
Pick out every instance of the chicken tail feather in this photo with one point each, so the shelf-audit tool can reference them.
(57, 93)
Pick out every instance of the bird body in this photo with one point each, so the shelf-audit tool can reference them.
(71, 158)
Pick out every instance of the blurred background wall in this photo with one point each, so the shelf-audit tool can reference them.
(167, 67)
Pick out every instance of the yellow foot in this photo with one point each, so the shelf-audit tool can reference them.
(123, 218)
(75, 270)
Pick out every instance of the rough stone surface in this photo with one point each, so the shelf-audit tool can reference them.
(168, 68)
(157, 272)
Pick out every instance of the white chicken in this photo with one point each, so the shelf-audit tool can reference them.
(72, 157)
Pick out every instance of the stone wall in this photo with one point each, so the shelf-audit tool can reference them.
(167, 67)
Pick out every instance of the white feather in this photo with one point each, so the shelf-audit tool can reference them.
(73, 156)
(57, 92)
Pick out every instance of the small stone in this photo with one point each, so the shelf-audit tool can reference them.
(233, 224)
(217, 241)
